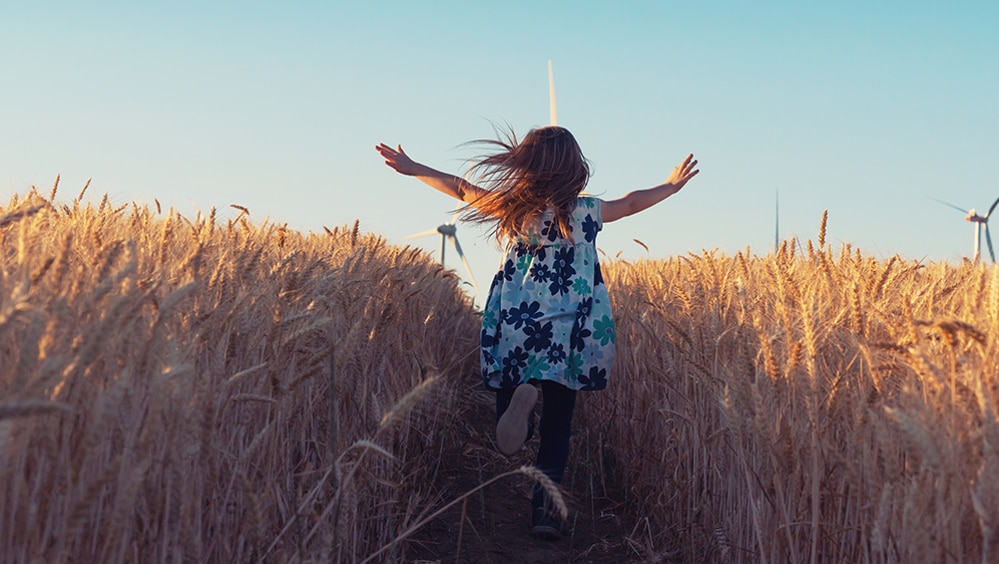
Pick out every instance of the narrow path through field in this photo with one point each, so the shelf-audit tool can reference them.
(494, 525)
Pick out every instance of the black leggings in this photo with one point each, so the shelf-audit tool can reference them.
(557, 404)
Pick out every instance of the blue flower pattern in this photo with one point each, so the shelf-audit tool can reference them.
(526, 313)
(539, 337)
(548, 315)
(540, 273)
(596, 379)
(590, 228)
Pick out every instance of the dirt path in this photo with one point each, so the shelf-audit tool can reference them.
(496, 523)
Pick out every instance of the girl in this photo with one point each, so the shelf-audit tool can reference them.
(547, 319)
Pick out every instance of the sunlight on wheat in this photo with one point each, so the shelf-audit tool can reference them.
(812, 406)
(205, 390)
(220, 390)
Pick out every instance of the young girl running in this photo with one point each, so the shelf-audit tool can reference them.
(547, 320)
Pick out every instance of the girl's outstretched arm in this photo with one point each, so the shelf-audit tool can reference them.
(447, 183)
(639, 200)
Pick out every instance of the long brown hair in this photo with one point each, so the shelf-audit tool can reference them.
(524, 178)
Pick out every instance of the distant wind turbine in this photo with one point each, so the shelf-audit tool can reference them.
(776, 221)
(449, 231)
(979, 221)
(551, 94)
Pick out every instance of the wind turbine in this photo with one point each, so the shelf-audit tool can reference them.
(551, 94)
(776, 221)
(979, 221)
(449, 231)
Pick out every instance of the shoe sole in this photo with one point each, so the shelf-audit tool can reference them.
(511, 430)
(546, 532)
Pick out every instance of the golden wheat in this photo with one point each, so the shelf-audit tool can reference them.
(175, 393)
(880, 447)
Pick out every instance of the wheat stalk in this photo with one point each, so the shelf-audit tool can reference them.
(822, 228)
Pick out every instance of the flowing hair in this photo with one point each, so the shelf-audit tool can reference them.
(545, 170)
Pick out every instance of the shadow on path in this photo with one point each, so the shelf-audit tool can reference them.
(493, 525)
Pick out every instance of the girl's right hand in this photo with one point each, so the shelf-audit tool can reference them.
(398, 160)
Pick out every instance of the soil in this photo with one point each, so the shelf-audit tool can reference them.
(493, 525)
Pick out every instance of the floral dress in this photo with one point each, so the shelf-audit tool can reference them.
(548, 315)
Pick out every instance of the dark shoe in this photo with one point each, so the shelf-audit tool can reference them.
(512, 428)
(547, 526)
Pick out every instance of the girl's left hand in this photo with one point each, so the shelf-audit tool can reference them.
(398, 159)
(683, 172)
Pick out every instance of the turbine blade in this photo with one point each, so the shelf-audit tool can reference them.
(421, 234)
(457, 212)
(948, 204)
(992, 208)
(551, 93)
(461, 255)
(988, 241)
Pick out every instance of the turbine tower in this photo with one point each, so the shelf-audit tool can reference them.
(979, 221)
(776, 221)
(449, 231)
(551, 94)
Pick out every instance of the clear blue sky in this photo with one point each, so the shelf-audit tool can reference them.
(866, 109)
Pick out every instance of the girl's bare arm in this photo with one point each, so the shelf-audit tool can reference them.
(449, 184)
(639, 200)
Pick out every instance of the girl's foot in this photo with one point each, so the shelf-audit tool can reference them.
(547, 526)
(511, 430)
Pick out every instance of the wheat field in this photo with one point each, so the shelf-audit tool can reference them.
(202, 390)
(222, 390)
(805, 406)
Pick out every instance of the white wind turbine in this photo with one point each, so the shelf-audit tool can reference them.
(551, 94)
(979, 221)
(449, 231)
(776, 221)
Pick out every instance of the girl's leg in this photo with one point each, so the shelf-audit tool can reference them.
(503, 397)
(515, 417)
(556, 425)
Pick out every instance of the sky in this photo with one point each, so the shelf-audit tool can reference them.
(866, 109)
